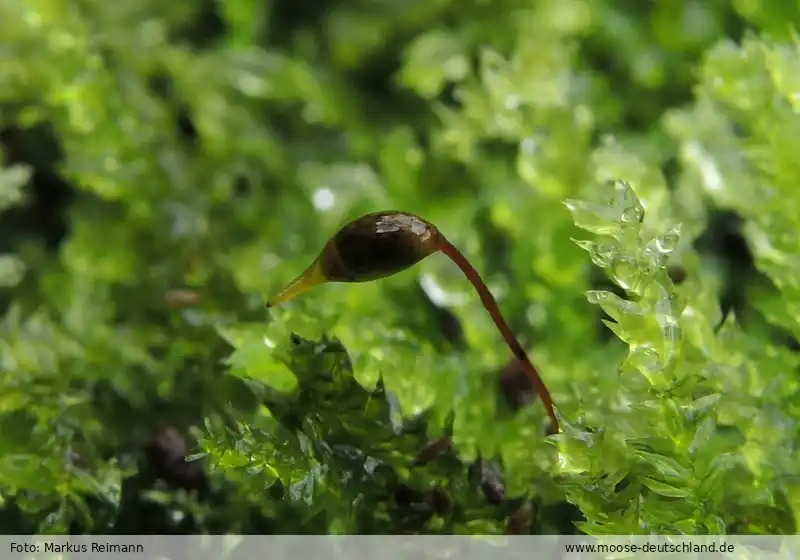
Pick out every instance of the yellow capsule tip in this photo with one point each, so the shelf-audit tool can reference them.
(312, 277)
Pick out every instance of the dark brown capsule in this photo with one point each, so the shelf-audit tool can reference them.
(432, 450)
(516, 386)
(166, 453)
(490, 480)
(405, 495)
(493, 487)
(519, 523)
(440, 501)
(371, 247)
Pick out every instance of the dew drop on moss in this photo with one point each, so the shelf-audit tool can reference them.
(626, 274)
(629, 205)
(667, 242)
(602, 254)
(633, 214)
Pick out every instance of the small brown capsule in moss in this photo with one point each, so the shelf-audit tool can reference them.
(440, 501)
(384, 243)
(369, 248)
(432, 450)
(492, 484)
(519, 523)
(515, 385)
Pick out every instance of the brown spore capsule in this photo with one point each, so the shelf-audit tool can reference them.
(371, 247)
(378, 245)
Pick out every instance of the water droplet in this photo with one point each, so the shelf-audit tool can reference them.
(602, 254)
(633, 214)
(627, 274)
(666, 243)
(627, 203)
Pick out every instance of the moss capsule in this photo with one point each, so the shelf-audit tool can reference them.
(369, 248)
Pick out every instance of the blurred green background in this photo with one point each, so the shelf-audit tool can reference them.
(623, 174)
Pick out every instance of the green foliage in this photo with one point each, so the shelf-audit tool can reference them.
(690, 438)
(166, 166)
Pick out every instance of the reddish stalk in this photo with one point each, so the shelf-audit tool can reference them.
(494, 312)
